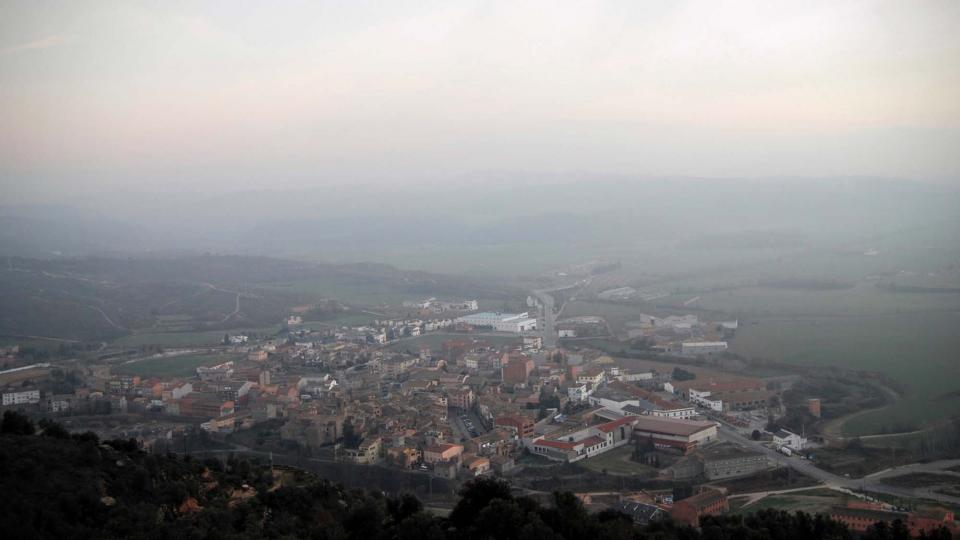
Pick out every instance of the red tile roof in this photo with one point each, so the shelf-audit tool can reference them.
(590, 441)
(556, 444)
(440, 448)
(612, 426)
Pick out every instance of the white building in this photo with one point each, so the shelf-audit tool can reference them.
(702, 398)
(21, 397)
(58, 405)
(615, 403)
(574, 446)
(567, 333)
(591, 376)
(676, 411)
(790, 440)
(501, 322)
(533, 342)
(579, 393)
(432, 326)
(697, 348)
(634, 376)
(517, 326)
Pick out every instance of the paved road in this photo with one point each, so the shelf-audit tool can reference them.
(549, 317)
(870, 483)
(758, 495)
(548, 331)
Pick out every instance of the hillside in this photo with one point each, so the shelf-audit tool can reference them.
(63, 486)
(97, 298)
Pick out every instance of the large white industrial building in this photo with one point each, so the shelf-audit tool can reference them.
(21, 397)
(501, 322)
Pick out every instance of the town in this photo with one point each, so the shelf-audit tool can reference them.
(433, 393)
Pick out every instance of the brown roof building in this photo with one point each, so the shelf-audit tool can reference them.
(707, 502)
(683, 435)
(517, 369)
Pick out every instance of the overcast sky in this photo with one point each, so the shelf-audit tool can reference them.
(237, 95)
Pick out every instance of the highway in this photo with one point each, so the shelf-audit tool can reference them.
(548, 331)
(871, 483)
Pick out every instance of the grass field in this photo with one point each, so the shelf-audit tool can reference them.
(911, 338)
(799, 501)
(863, 299)
(186, 339)
(917, 350)
(177, 366)
(616, 461)
(922, 479)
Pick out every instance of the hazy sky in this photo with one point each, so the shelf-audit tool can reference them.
(228, 95)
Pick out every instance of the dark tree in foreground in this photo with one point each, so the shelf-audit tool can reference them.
(76, 487)
(15, 423)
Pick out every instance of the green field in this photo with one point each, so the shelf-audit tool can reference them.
(862, 299)
(812, 503)
(186, 339)
(616, 461)
(917, 350)
(911, 338)
(177, 366)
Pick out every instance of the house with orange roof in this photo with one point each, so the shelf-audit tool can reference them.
(442, 452)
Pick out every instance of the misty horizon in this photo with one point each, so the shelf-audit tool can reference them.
(214, 99)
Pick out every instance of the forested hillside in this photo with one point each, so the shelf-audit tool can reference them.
(61, 486)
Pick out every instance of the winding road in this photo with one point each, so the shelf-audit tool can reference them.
(871, 483)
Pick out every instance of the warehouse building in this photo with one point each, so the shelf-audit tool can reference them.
(731, 461)
(683, 435)
(501, 322)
